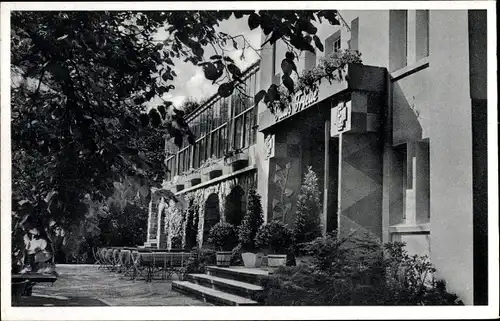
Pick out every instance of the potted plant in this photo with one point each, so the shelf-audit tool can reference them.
(223, 236)
(277, 239)
(193, 177)
(251, 223)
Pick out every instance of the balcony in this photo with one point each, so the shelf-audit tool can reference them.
(356, 78)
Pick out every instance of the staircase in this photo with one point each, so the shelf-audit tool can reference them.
(225, 285)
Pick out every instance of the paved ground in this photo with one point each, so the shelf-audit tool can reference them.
(109, 287)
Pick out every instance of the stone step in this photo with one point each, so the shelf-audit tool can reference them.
(239, 273)
(211, 295)
(244, 289)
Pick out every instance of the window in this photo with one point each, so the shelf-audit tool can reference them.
(353, 42)
(212, 129)
(397, 39)
(422, 34)
(332, 43)
(408, 37)
(410, 186)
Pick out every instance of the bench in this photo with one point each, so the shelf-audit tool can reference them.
(28, 280)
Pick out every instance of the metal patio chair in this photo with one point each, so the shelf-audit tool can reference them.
(97, 257)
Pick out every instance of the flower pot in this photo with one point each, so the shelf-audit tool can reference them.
(224, 258)
(252, 260)
(275, 260)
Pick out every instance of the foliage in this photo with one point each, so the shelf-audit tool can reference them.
(275, 237)
(223, 236)
(251, 223)
(342, 275)
(190, 105)
(307, 221)
(236, 258)
(199, 260)
(191, 225)
(329, 68)
(78, 121)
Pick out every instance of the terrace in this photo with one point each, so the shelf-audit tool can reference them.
(85, 285)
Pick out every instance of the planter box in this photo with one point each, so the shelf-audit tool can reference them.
(179, 187)
(252, 260)
(238, 161)
(194, 180)
(275, 260)
(212, 172)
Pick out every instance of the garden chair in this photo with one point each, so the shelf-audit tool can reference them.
(138, 267)
(125, 262)
(116, 258)
(102, 255)
(96, 252)
(109, 259)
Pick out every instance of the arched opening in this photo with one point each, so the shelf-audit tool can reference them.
(235, 206)
(212, 215)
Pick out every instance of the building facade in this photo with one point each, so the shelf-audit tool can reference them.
(398, 143)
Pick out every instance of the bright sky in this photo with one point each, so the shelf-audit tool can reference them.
(190, 81)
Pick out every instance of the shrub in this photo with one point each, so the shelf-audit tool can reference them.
(223, 236)
(343, 274)
(275, 237)
(199, 260)
(251, 223)
(307, 221)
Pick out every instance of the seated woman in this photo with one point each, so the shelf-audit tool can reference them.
(38, 249)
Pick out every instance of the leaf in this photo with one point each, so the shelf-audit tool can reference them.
(308, 27)
(118, 185)
(211, 71)
(288, 207)
(273, 93)
(290, 56)
(228, 59)
(216, 57)
(288, 83)
(155, 118)
(253, 21)
(144, 120)
(258, 97)
(226, 89)
(275, 202)
(288, 192)
(318, 43)
(235, 44)
(234, 70)
(286, 66)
